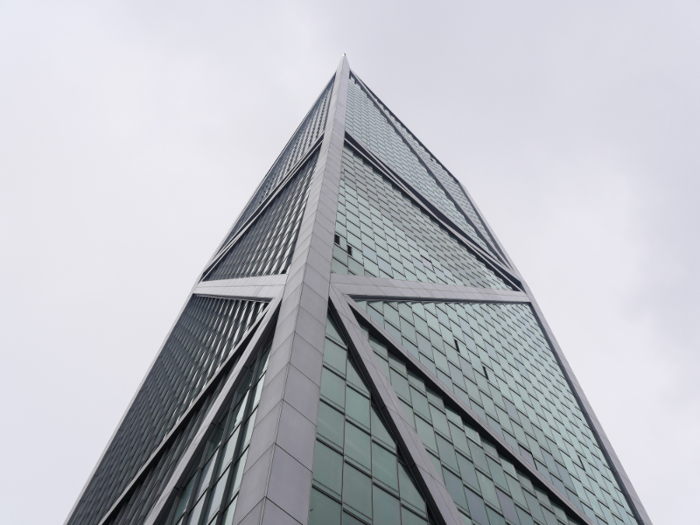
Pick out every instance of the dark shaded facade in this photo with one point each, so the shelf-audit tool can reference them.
(359, 350)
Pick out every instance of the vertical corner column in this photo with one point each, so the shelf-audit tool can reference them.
(276, 484)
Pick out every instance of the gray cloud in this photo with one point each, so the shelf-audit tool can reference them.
(132, 134)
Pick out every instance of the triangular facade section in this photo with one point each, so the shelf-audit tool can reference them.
(376, 130)
(265, 246)
(448, 181)
(202, 348)
(495, 359)
(359, 474)
(302, 142)
(381, 232)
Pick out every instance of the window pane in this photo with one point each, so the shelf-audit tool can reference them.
(387, 510)
(455, 488)
(184, 499)
(477, 508)
(351, 520)
(380, 432)
(206, 475)
(197, 511)
(408, 490)
(488, 490)
(333, 387)
(230, 511)
(328, 467)
(355, 379)
(384, 466)
(357, 407)
(357, 445)
(230, 449)
(331, 424)
(409, 518)
(357, 490)
(217, 495)
(495, 518)
(426, 434)
(334, 356)
(507, 507)
(323, 511)
(466, 468)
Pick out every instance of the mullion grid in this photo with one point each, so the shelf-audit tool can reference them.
(452, 186)
(367, 123)
(487, 394)
(354, 449)
(309, 131)
(182, 368)
(484, 484)
(380, 232)
(266, 248)
(142, 496)
(218, 473)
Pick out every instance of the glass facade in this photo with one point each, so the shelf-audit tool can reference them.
(359, 475)
(209, 496)
(202, 339)
(367, 124)
(446, 179)
(306, 135)
(380, 232)
(484, 485)
(267, 247)
(488, 402)
(495, 358)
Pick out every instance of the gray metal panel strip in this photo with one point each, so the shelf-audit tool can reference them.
(265, 287)
(376, 288)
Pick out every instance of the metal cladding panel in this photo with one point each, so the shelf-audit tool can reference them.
(203, 338)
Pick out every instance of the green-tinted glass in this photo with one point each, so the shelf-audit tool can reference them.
(384, 466)
(387, 510)
(357, 445)
(328, 467)
(333, 387)
(331, 424)
(357, 490)
(323, 510)
(357, 407)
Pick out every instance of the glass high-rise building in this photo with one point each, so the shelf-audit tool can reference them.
(359, 350)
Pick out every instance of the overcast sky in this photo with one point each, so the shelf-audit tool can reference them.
(132, 133)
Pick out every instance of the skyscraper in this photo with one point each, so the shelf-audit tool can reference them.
(360, 349)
